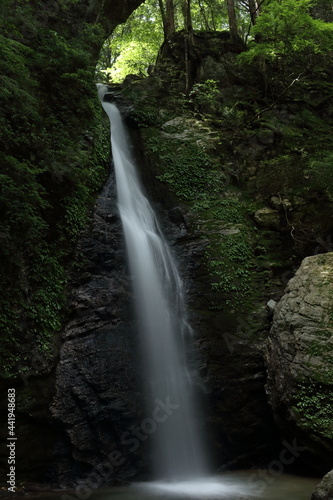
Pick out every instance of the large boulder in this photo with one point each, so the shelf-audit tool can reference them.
(324, 490)
(211, 55)
(300, 361)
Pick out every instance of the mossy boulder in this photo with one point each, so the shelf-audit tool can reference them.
(267, 218)
(211, 55)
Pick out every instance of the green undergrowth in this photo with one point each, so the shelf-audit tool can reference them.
(302, 163)
(314, 407)
(187, 169)
(200, 180)
(230, 262)
(227, 224)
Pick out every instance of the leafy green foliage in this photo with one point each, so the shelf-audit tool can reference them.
(205, 96)
(319, 172)
(146, 116)
(280, 173)
(133, 46)
(288, 31)
(314, 405)
(52, 163)
(134, 58)
(187, 168)
(230, 261)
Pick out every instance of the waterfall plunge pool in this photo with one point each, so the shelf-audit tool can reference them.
(234, 485)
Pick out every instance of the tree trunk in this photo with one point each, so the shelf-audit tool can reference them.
(254, 10)
(188, 41)
(232, 18)
(168, 17)
(187, 16)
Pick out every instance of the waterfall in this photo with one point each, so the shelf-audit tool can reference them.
(179, 459)
(158, 290)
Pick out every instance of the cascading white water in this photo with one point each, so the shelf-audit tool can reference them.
(158, 289)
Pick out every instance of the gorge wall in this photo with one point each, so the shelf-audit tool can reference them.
(98, 396)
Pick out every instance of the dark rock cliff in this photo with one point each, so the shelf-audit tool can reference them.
(235, 253)
(98, 396)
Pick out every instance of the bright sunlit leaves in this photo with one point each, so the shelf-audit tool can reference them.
(283, 27)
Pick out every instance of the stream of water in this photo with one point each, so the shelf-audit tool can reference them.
(158, 290)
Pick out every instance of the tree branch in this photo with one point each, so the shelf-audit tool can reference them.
(257, 115)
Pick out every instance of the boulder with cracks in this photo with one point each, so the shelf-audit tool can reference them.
(300, 360)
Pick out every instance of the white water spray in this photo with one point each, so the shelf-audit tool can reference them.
(159, 297)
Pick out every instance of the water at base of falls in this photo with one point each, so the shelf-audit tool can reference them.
(206, 488)
(237, 485)
(176, 442)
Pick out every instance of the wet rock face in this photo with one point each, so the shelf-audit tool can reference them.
(300, 361)
(227, 367)
(118, 10)
(98, 398)
(35, 388)
(109, 13)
